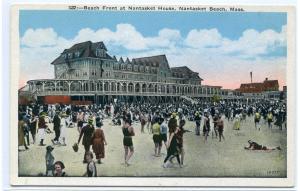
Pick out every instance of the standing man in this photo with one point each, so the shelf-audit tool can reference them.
(80, 117)
(156, 136)
(87, 133)
(198, 122)
(164, 130)
(215, 120)
(56, 128)
(257, 119)
(270, 119)
(206, 127)
(280, 119)
(220, 126)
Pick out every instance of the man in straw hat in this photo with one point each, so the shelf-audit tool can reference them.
(87, 133)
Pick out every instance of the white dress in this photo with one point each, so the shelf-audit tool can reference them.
(112, 110)
(41, 133)
(63, 127)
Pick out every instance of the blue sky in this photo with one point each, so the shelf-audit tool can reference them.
(231, 43)
(231, 25)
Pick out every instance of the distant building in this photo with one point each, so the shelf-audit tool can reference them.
(267, 85)
(268, 89)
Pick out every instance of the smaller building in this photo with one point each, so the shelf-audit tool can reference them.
(256, 88)
(268, 89)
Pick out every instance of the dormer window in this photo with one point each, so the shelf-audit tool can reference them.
(64, 56)
(77, 54)
(100, 52)
(70, 55)
(129, 67)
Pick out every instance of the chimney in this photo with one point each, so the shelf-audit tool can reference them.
(266, 79)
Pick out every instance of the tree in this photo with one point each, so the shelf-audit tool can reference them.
(216, 98)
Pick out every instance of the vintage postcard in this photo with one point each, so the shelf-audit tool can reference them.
(152, 95)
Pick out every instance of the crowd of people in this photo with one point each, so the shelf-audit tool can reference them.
(165, 121)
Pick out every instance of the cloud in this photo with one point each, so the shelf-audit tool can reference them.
(203, 50)
(204, 38)
(128, 37)
(39, 37)
(253, 43)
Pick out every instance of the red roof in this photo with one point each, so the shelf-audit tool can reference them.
(267, 85)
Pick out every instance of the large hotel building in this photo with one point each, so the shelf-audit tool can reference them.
(87, 73)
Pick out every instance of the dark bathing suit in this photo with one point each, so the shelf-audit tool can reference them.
(127, 140)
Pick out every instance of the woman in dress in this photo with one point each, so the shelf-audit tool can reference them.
(99, 141)
(237, 122)
(33, 125)
(172, 147)
(128, 132)
(63, 128)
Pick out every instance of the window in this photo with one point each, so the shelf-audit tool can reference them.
(141, 69)
(100, 52)
(94, 73)
(77, 54)
(116, 66)
(70, 55)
